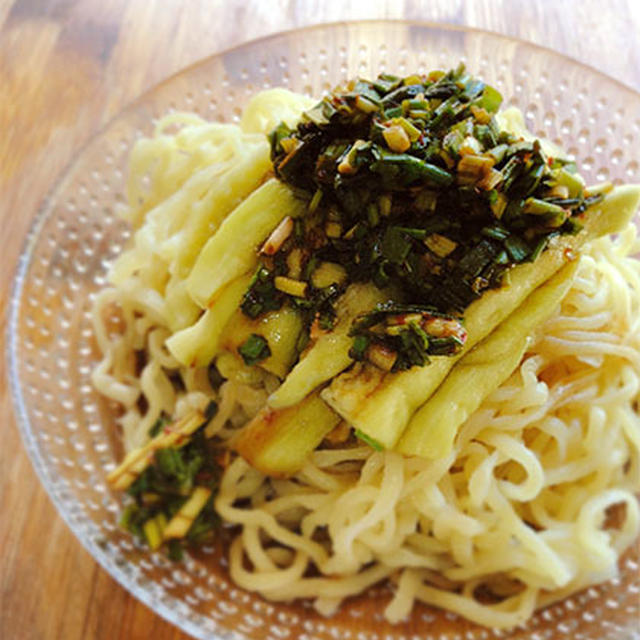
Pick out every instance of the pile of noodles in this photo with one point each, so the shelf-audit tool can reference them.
(536, 501)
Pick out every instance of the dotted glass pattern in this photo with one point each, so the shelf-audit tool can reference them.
(69, 431)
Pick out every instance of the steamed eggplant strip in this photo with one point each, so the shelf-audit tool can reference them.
(231, 251)
(329, 355)
(278, 441)
(198, 344)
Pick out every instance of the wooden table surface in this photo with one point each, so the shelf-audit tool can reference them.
(68, 66)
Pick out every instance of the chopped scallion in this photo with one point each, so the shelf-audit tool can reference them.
(254, 349)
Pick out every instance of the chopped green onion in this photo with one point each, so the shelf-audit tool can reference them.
(393, 112)
(568, 179)
(384, 204)
(395, 245)
(153, 531)
(497, 232)
(372, 442)
(418, 234)
(538, 249)
(366, 104)
(281, 132)
(290, 286)
(440, 245)
(396, 138)
(537, 207)
(261, 296)
(175, 550)
(373, 215)
(497, 153)
(255, 349)
(517, 248)
(315, 201)
(386, 82)
(403, 169)
(158, 425)
(491, 99)
(359, 347)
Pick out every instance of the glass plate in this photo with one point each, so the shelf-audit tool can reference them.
(69, 431)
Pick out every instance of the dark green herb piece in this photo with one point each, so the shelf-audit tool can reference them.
(203, 528)
(386, 83)
(517, 248)
(395, 245)
(281, 132)
(262, 295)
(418, 234)
(495, 231)
(173, 463)
(374, 444)
(158, 425)
(399, 170)
(254, 349)
(175, 550)
(359, 347)
(538, 249)
(491, 99)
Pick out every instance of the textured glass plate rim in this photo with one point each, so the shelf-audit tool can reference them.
(25, 427)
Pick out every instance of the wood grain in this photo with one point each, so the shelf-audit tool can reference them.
(66, 67)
